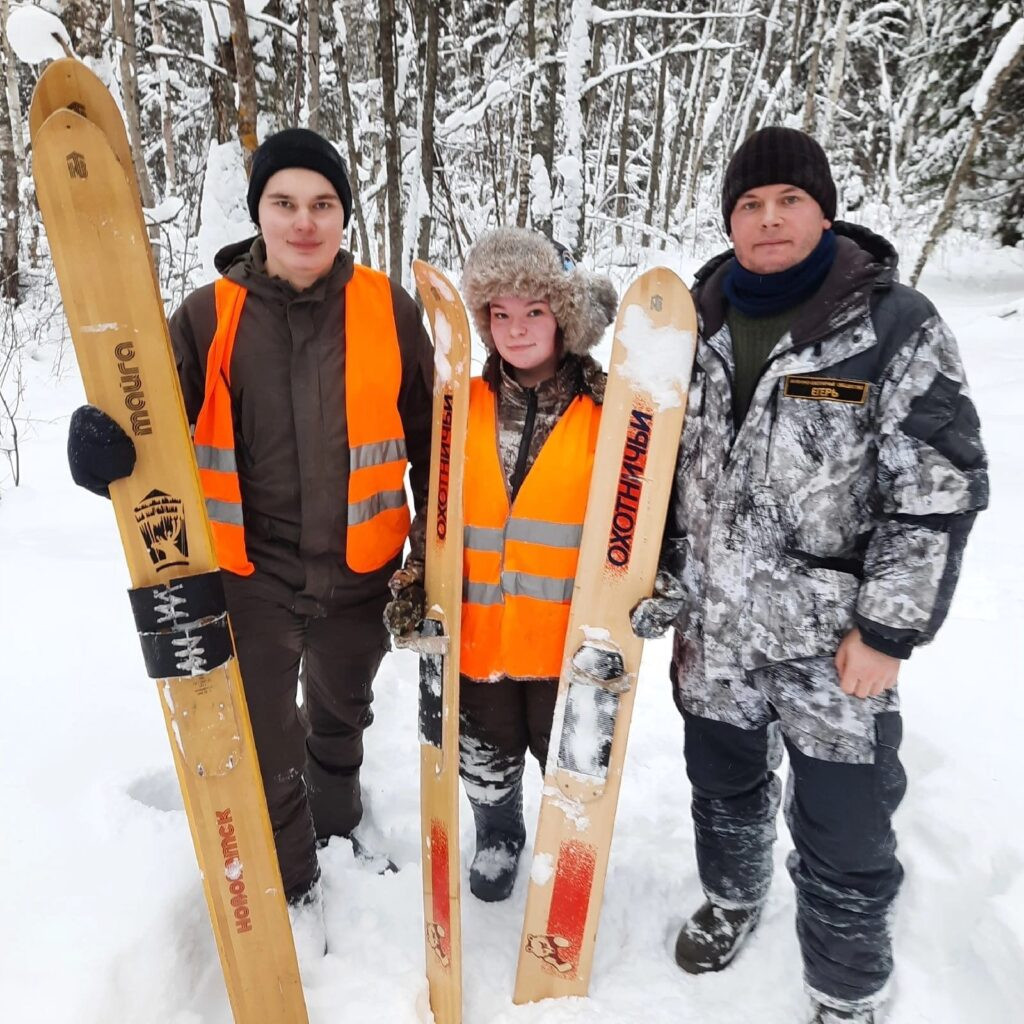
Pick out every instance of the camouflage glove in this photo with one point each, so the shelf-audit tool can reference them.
(99, 451)
(404, 612)
(652, 617)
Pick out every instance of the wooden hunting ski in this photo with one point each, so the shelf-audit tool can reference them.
(641, 420)
(94, 223)
(439, 646)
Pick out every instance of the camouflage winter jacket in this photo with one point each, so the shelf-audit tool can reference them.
(846, 496)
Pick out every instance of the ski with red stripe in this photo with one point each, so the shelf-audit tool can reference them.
(438, 646)
(641, 420)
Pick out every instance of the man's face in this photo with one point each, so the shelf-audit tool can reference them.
(303, 222)
(774, 227)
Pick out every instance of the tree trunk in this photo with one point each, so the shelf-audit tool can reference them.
(278, 89)
(222, 89)
(246, 70)
(812, 72)
(314, 65)
(300, 67)
(523, 158)
(835, 78)
(542, 22)
(122, 14)
(624, 133)
(354, 163)
(393, 155)
(123, 17)
(654, 178)
(1008, 59)
(13, 93)
(166, 115)
(9, 199)
(573, 163)
(743, 121)
(685, 130)
(427, 129)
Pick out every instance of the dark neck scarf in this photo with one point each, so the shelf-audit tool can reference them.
(768, 294)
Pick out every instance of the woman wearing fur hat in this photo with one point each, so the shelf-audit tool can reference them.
(533, 420)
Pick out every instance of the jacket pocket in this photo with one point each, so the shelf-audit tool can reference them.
(809, 608)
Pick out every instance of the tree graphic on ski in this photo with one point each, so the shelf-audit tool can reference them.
(641, 420)
(94, 223)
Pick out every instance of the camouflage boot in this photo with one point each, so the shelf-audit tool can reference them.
(710, 939)
(500, 836)
(828, 1015)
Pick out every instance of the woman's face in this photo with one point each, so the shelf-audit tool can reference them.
(525, 334)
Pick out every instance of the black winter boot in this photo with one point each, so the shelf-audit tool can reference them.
(500, 836)
(712, 937)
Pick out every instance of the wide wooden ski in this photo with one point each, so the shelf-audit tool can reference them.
(642, 417)
(439, 646)
(101, 256)
(67, 84)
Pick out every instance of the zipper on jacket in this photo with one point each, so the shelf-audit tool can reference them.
(519, 473)
(773, 411)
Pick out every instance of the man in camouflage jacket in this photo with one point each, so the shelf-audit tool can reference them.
(830, 471)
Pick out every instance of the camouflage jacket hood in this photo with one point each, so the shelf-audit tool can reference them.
(846, 494)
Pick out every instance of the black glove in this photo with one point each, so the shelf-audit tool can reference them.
(99, 451)
(404, 612)
(651, 617)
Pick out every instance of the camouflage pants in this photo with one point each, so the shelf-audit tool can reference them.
(499, 722)
(839, 814)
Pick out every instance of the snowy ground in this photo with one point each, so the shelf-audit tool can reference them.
(101, 913)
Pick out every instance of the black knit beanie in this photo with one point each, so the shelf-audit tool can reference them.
(296, 147)
(779, 156)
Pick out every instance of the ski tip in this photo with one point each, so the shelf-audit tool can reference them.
(431, 282)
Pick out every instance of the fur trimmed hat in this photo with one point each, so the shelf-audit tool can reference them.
(515, 261)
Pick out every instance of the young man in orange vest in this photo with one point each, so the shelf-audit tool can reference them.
(533, 419)
(307, 379)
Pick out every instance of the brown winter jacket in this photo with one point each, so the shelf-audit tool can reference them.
(291, 437)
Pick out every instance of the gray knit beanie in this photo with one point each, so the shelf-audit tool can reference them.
(514, 261)
(779, 156)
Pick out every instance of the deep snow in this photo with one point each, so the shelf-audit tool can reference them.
(102, 917)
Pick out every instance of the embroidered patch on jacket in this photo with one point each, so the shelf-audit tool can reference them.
(827, 389)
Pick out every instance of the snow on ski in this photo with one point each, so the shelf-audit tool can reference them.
(642, 417)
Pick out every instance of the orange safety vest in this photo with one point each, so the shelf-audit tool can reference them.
(378, 515)
(519, 563)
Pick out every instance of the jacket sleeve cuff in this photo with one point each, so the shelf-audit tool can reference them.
(893, 648)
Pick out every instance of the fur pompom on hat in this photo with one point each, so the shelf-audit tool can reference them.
(514, 261)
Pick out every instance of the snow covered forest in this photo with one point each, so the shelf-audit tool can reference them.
(608, 124)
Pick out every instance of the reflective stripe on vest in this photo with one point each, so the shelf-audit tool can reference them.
(519, 564)
(378, 514)
(214, 436)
